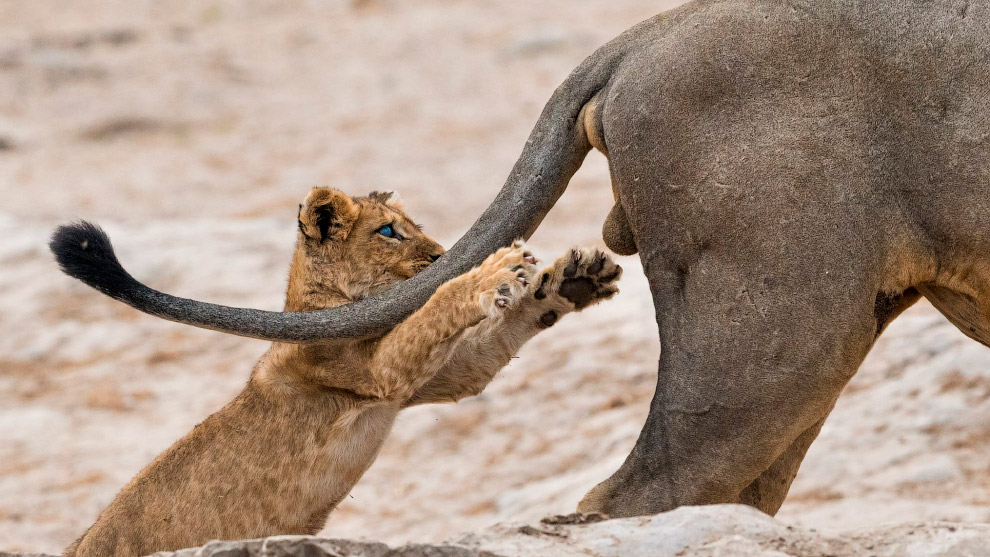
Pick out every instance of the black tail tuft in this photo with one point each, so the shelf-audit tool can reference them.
(83, 251)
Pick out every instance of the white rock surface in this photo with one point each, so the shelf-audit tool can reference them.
(713, 531)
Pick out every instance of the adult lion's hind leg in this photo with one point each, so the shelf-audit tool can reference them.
(747, 374)
(768, 491)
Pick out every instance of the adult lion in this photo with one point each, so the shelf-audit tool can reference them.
(793, 174)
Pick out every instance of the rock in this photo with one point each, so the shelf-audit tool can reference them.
(713, 531)
(309, 546)
(286, 546)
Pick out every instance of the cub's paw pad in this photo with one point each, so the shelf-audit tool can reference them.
(549, 318)
(582, 277)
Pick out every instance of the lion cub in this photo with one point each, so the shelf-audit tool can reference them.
(280, 456)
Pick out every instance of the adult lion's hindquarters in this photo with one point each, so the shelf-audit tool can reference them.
(795, 172)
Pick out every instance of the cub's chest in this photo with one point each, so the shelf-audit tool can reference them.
(348, 446)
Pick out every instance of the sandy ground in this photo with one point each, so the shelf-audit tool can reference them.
(192, 129)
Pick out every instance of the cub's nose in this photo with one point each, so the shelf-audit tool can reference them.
(435, 256)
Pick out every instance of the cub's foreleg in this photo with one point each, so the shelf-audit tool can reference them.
(575, 281)
(413, 352)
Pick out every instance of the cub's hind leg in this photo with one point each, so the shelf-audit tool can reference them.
(575, 281)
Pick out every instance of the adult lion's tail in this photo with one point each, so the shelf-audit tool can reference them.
(553, 153)
(83, 251)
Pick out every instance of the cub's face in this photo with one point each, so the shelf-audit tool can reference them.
(362, 245)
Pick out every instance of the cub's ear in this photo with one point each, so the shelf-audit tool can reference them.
(390, 198)
(327, 215)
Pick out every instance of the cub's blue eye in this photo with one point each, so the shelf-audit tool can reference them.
(387, 231)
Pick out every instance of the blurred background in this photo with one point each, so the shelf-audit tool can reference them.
(192, 129)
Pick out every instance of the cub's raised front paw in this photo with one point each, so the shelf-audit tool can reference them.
(582, 277)
(503, 279)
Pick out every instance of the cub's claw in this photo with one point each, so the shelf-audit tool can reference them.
(503, 279)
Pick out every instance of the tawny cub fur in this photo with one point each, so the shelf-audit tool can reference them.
(279, 457)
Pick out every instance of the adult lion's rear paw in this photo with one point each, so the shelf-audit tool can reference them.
(582, 277)
(503, 279)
